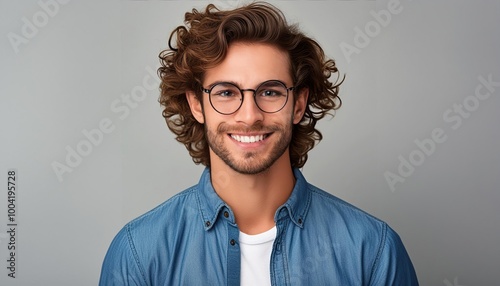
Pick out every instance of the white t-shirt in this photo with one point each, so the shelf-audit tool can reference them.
(256, 257)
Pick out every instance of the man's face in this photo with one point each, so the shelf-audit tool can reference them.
(249, 140)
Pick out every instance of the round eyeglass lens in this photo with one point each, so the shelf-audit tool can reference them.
(225, 97)
(271, 96)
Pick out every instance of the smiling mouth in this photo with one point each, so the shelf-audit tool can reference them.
(249, 139)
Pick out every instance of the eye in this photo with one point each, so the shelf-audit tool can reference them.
(225, 90)
(272, 89)
(224, 93)
(271, 93)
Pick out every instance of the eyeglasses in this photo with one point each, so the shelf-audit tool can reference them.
(270, 96)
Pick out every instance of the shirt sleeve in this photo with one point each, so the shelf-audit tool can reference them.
(120, 266)
(393, 265)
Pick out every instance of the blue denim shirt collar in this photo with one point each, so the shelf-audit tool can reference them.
(298, 203)
(211, 205)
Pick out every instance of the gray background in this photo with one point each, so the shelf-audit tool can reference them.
(401, 85)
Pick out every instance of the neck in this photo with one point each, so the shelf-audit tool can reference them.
(254, 199)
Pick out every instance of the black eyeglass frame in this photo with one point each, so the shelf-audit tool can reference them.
(209, 90)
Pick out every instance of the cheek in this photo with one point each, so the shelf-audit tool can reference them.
(209, 115)
(213, 121)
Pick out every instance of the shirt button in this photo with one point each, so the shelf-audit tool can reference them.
(226, 214)
(299, 221)
(232, 242)
(207, 223)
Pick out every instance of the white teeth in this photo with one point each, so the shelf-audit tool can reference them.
(248, 139)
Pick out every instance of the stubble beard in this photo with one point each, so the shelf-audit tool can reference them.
(253, 162)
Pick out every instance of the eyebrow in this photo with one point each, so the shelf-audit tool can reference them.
(238, 84)
(223, 81)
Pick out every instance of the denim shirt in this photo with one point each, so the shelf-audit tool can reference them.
(192, 239)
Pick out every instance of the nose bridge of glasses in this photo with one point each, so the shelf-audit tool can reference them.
(242, 94)
(254, 91)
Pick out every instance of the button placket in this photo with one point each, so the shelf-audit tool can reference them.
(233, 253)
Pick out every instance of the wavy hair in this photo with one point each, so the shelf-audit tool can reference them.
(203, 43)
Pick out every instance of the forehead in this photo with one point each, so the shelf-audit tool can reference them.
(251, 63)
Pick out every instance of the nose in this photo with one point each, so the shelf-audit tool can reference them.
(249, 112)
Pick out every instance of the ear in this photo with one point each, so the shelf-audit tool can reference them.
(300, 105)
(195, 106)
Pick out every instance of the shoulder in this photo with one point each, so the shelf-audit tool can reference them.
(168, 211)
(345, 223)
(152, 226)
(141, 240)
(336, 209)
(161, 214)
(362, 233)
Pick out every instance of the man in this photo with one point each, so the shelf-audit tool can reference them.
(243, 91)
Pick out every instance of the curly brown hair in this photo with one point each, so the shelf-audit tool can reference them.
(203, 43)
